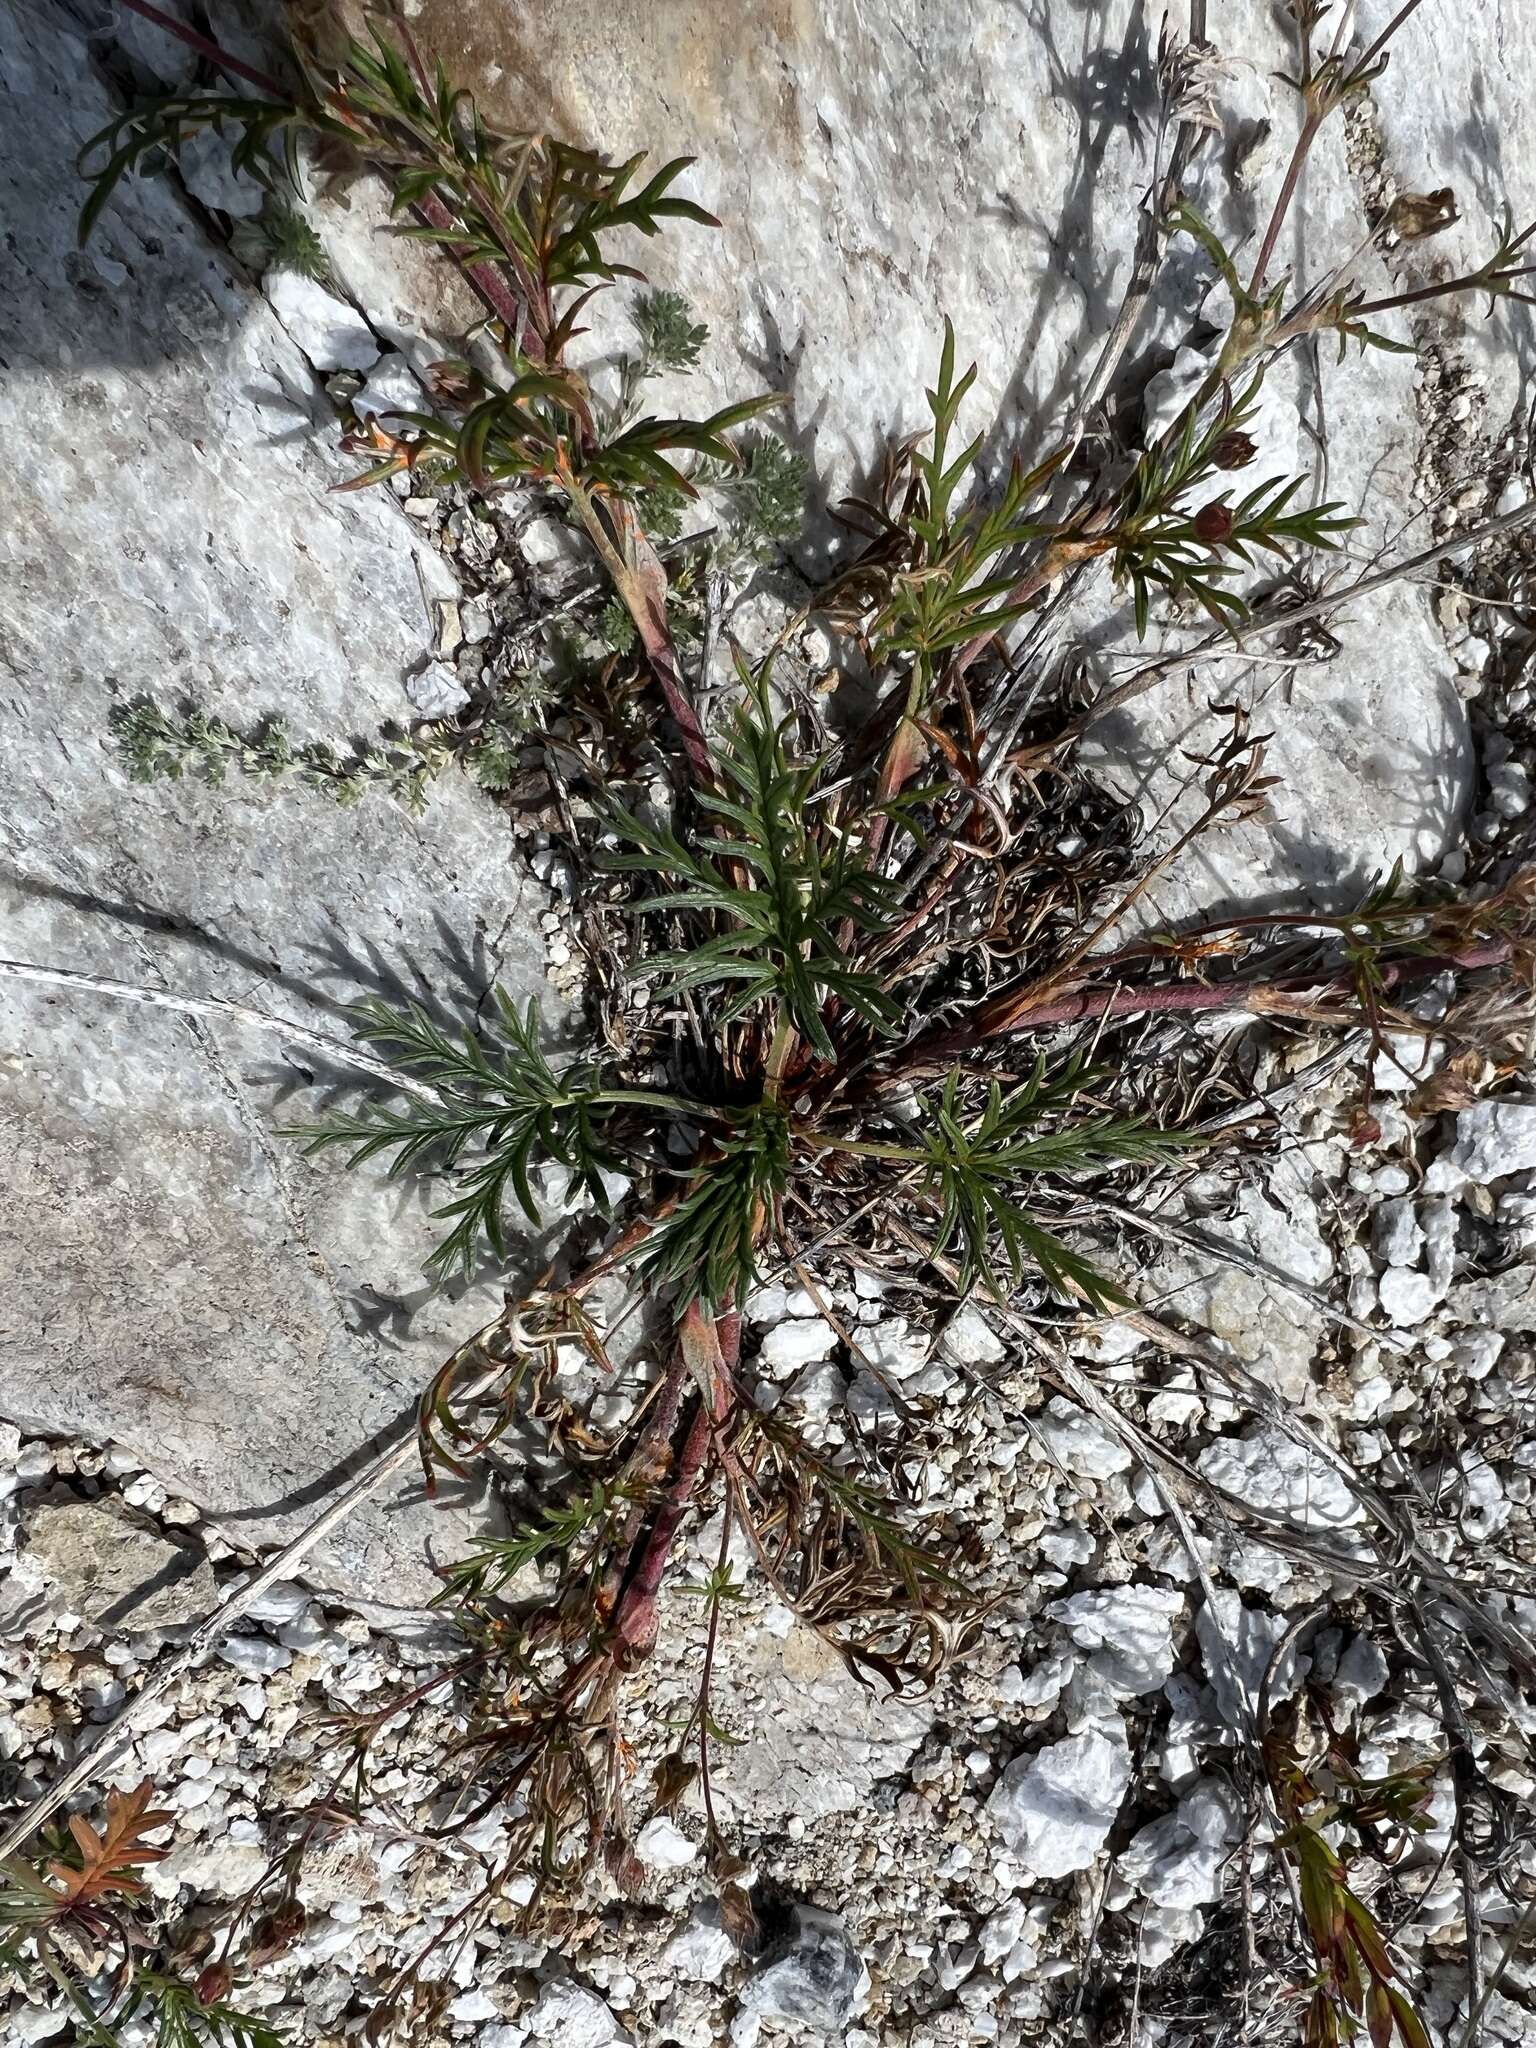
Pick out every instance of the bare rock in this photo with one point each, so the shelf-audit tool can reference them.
(99, 1563)
(182, 1281)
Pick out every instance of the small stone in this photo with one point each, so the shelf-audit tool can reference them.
(1363, 1671)
(36, 2022)
(1493, 1140)
(99, 1563)
(436, 691)
(221, 1868)
(282, 1601)
(1130, 1629)
(818, 1389)
(568, 2015)
(1084, 1447)
(702, 1951)
(390, 387)
(664, 1846)
(1054, 1810)
(1175, 1408)
(254, 1656)
(896, 1351)
(474, 2006)
(1177, 1861)
(969, 1339)
(819, 1981)
(334, 335)
(798, 1341)
(1407, 1297)
(1396, 1234)
(1271, 1471)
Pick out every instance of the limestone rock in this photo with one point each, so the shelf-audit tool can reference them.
(702, 1950)
(817, 1980)
(568, 2015)
(1272, 1472)
(1129, 1628)
(334, 335)
(1493, 1139)
(181, 1280)
(1178, 1861)
(1054, 1810)
(825, 140)
(98, 1562)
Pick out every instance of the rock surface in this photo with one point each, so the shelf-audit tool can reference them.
(181, 1281)
(101, 1564)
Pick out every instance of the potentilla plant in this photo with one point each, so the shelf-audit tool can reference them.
(866, 1003)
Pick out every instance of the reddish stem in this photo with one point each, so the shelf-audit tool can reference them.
(637, 1622)
(204, 47)
(1016, 1013)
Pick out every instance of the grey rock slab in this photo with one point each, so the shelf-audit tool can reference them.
(1455, 110)
(98, 1562)
(180, 1281)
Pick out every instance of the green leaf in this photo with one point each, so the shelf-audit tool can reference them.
(500, 1098)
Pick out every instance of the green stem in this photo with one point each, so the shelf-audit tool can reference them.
(779, 1051)
(865, 1148)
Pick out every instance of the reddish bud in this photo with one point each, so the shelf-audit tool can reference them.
(214, 1984)
(1234, 450)
(275, 1933)
(1213, 523)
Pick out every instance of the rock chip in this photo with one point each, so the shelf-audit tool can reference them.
(817, 1979)
(702, 1950)
(1396, 1233)
(101, 1564)
(1055, 1809)
(568, 2015)
(797, 1342)
(1407, 1297)
(1084, 1447)
(1493, 1140)
(664, 1846)
(1130, 1630)
(334, 335)
(389, 387)
(1272, 1471)
(1177, 1861)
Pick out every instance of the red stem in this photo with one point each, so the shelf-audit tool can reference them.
(1182, 998)
(637, 1621)
(204, 47)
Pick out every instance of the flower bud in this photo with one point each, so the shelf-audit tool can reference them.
(1233, 450)
(1413, 215)
(214, 1984)
(1213, 523)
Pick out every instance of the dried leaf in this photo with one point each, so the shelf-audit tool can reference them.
(108, 1859)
